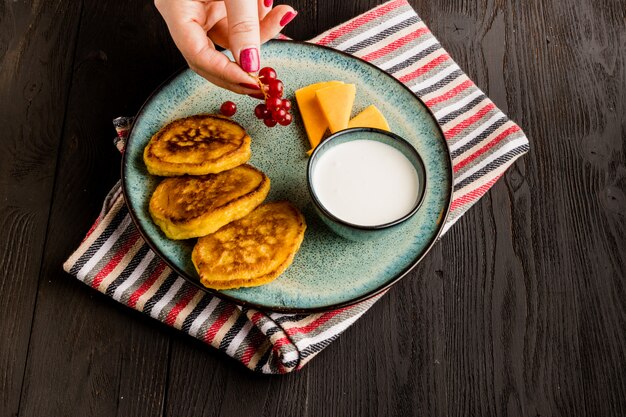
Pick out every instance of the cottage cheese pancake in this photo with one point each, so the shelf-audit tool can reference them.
(192, 206)
(197, 145)
(251, 251)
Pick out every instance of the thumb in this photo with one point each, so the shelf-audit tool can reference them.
(243, 33)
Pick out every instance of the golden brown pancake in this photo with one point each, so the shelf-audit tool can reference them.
(197, 145)
(193, 206)
(251, 251)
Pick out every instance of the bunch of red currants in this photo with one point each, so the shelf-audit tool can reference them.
(276, 109)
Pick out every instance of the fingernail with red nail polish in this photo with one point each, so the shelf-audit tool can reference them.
(250, 86)
(288, 17)
(259, 96)
(268, 3)
(249, 59)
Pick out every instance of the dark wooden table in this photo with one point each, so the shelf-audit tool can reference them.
(520, 310)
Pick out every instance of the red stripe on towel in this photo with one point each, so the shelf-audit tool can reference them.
(360, 21)
(485, 148)
(316, 323)
(173, 314)
(452, 132)
(217, 324)
(424, 69)
(473, 195)
(115, 260)
(395, 44)
(449, 94)
(132, 301)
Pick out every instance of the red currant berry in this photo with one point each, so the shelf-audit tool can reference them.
(286, 121)
(267, 74)
(228, 108)
(273, 103)
(269, 122)
(279, 114)
(275, 88)
(286, 104)
(260, 111)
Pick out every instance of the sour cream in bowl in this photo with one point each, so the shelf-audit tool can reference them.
(365, 182)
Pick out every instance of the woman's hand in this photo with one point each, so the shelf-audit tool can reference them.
(238, 25)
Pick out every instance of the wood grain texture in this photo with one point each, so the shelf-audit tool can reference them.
(36, 52)
(87, 356)
(519, 311)
(555, 253)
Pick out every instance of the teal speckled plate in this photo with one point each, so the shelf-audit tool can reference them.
(328, 271)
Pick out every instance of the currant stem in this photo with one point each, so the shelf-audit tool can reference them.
(261, 85)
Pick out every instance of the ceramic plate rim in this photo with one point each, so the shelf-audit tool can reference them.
(226, 297)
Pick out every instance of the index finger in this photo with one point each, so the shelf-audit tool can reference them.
(202, 57)
(244, 33)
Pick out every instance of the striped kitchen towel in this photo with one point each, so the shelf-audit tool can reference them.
(115, 260)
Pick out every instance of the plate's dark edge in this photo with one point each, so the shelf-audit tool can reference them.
(279, 309)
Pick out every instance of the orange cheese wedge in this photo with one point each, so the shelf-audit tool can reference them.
(370, 117)
(314, 120)
(336, 102)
